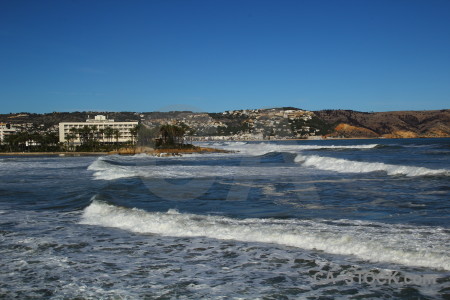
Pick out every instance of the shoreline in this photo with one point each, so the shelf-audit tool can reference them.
(126, 151)
(53, 153)
(174, 151)
(328, 139)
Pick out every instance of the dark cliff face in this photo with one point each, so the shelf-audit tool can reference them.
(429, 123)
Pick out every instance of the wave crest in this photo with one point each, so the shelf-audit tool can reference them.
(349, 166)
(256, 149)
(401, 244)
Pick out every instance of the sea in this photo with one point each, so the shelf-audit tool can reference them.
(325, 219)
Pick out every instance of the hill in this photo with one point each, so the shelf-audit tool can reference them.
(286, 122)
(393, 124)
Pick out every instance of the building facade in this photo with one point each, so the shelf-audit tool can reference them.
(6, 129)
(101, 123)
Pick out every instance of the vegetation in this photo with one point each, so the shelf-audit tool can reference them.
(93, 139)
(172, 136)
(421, 123)
(84, 139)
(297, 126)
(55, 118)
(30, 141)
(164, 136)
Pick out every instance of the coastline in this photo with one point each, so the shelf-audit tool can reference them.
(126, 151)
(53, 153)
(331, 139)
(166, 151)
(174, 151)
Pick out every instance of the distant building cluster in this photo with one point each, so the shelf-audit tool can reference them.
(78, 132)
(251, 124)
(275, 123)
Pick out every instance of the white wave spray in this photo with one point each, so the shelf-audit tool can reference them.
(376, 242)
(255, 149)
(349, 166)
(104, 170)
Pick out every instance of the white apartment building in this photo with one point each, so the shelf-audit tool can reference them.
(6, 129)
(101, 122)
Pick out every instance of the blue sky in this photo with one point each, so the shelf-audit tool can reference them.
(215, 55)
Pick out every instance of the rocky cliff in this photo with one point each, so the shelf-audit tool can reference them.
(393, 124)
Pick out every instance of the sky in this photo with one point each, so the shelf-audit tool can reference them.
(217, 55)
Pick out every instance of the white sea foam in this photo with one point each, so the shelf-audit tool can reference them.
(104, 170)
(112, 168)
(144, 155)
(376, 242)
(349, 166)
(263, 148)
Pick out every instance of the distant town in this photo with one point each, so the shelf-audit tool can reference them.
(106, 131)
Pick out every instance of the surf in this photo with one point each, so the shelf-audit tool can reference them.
(350, 166)
(375, 242)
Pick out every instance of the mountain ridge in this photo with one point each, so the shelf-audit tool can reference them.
(284, 122)
(428, 123)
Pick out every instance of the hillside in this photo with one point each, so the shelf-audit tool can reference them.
(431, 123)
(275, 123)
(57, 117)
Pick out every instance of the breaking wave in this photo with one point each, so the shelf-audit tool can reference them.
(256, 149)
(349, 166)
(105, 169)
(375, 242)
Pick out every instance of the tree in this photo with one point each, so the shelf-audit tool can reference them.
(70, 139)
(48, 141)
(22, 139)
(11, 141)
(109, 132)
(170, 135)
(134, 133)
(88, 138)
(84, 133)
(101, 135)
(117, 134)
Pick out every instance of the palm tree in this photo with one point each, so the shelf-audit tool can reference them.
(73, 130)
(11, 140)
(134, 133)
(109, 133)
(101, 134)
(117, 134)
(171, 135)
(94, 132)
(49, 141)
(84, 133)
(179, 133)
(22, 139)
(70, 139)
(94, 137)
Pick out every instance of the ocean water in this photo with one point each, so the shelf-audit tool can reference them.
(338, 219)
